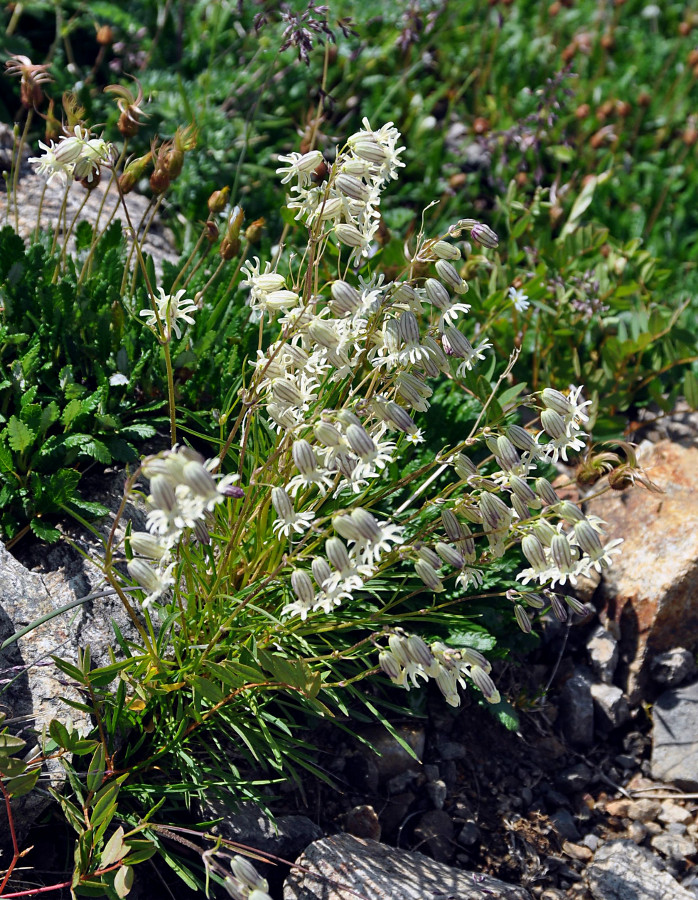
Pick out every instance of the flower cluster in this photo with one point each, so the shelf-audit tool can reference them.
(183, 494)
(76, 156)
(347, 202)
(408, 658)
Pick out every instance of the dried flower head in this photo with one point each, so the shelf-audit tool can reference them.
(31, 76)
(130, 107)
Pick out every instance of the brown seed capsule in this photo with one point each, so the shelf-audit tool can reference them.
(690, 136)
(105, 35)
(254, 231)
(608, 42)
(693, 58)
(581, 112)
(211, 230)
(684, 28)
(521, 179)
(554, 9)
(644, 99)
(159, 181)
(623, 108)
(92, 183)
(458, 180)
(481, 125)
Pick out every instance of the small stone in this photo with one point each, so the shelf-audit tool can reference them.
(577, 709)
(624, 761)
(674, 846)
(653, 827)
(637, 832)
(674, 812)
(577, 851)
(362, 821)
(618, 808)
(437, 793)
(644, 810)
(469, 834)
(672, 667)
(611, 706)
(603, 654)
(676, 828)
(592, 841)
(564, 824)
(675, 737)
(434, 832)
(399, 783)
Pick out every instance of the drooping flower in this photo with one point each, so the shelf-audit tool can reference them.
(172, 310)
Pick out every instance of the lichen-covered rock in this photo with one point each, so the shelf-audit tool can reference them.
(623, 871)
(342, 866)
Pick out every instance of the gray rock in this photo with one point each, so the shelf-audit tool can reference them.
(564, 824)
(469, 835)
(434, 832)
(437, 793)
(623, 871)
(675, 737)
(674, 846)
(33, 194)
(285, 836)
(603, 654)
(672, 667)
(611, 706)
(577, 709)
(33, 686)
(380, 872)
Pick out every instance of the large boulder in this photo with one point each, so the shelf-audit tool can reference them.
(342, 867)
(651, 591)
(675, 737)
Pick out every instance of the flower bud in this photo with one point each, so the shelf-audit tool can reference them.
(437, 293)
(345, 298)
(302, 587)
(218, 200)
(482, 680)
(349, 235)
(321, 570)
(429, 575)
(522, 619)
(546, 492)
(389, 665)
(450, 555)
(553, 424)
(304, 457)
(482, 234)
(444, 250)
(448, 274)
(352, 187)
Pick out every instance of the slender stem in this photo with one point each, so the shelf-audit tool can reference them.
(18, 163)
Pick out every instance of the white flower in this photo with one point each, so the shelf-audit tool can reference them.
(519, 299)
(74, 156)
(300, 166)
(171, 310)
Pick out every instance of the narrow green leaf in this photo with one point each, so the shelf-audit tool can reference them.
(95, 772)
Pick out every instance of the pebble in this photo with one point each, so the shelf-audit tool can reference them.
(603, 654)
(399, 783)
(673, 666)
(362, 822)
(674, 846)
(592, 841)
(437, 793)
(469, 834)
(673, 812)
(577, 851)
(676, 828)
(653, 827)
(575, 778)
(565, 826)
(637, 832)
